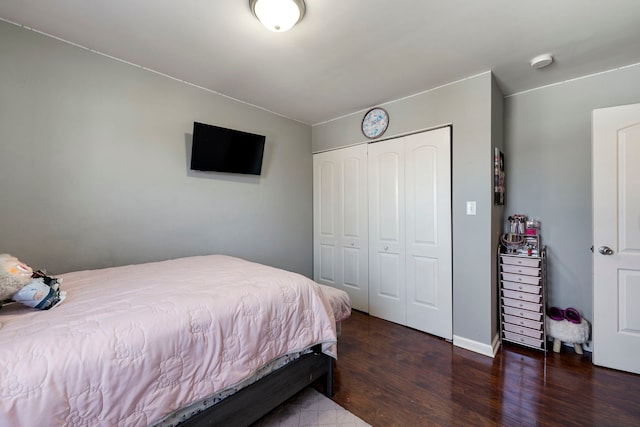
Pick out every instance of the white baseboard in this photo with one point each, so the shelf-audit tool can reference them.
(478, 347)
(495, 346)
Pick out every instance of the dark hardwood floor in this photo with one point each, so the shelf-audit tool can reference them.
(390, 375)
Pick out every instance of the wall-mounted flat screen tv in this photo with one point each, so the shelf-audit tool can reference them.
(219, 149)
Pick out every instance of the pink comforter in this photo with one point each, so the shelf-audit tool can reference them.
(132, 344)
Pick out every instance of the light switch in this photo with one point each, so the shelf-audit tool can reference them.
(471, 207)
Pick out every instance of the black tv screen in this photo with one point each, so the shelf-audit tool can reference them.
(220, 149)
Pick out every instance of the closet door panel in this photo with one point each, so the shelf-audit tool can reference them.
(423, 270)
(388, 207)
(353, 199)
(386, 298)
(386, 231)
(326, 264)
(389, 276)
(428, 232)
(352, 273)
(421, 195)
(326, 235)
(354, 239)
(340, 222)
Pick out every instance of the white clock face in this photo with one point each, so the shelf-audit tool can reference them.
(375, 122)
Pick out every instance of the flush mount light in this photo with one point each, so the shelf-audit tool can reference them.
(541, 61)
(278, 15)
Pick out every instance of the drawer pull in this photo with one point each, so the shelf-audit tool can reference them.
(520, 287)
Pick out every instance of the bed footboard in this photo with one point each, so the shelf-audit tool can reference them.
(255, 401)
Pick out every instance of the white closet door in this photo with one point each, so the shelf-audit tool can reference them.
(410, 265)
(428, 232)
(387, 297)
(340, 222)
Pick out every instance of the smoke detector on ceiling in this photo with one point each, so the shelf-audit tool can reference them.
(541, 61)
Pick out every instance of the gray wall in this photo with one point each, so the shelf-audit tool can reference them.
(94, 166)
(548, 171)
(94, 153)
(497, 213)
(467, 105)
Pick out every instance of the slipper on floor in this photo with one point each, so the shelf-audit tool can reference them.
(572, 315)
(555, 313)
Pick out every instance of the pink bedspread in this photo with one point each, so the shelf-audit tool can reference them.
(132, 344)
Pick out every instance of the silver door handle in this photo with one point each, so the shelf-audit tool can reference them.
(605, 250)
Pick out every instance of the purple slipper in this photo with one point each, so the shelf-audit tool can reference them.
(572, 315)
(555, 313)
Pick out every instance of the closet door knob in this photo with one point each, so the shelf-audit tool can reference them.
(605, 250)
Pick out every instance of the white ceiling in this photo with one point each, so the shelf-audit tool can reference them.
(346, 55)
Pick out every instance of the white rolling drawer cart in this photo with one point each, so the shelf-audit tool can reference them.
(522, 299)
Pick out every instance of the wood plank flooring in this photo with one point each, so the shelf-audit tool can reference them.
(390, 375)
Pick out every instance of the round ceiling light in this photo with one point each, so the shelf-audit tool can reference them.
(541, 61)
(278, 15)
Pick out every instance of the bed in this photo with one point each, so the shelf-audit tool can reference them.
(208, 340)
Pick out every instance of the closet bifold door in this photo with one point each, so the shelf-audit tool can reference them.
(428, 232)
(410, 261)
(340, 231)
(387, 288)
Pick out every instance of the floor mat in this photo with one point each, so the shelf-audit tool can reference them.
(311, 409)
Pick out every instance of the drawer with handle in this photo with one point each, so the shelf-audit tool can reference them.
(525, 262)
(520, 278)
(513, 311)
(521, 287)
(521, 330)
(522, 339)
(520, 321)
(518, 269)
(523, 296)
(522, 304)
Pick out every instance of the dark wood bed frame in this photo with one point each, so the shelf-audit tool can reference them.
(258, 399)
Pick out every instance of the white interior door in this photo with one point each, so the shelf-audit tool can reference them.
(616, 234)
(387, 289)
(340, 222)
(428, 232)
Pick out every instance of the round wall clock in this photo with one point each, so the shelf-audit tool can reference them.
(375, 122)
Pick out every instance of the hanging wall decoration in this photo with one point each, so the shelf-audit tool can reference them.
(498, 177)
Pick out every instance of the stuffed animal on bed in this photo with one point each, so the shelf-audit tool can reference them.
(20, 283)
(14, 275)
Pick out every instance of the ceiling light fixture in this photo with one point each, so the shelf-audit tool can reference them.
(278, 15)
(541, 61)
